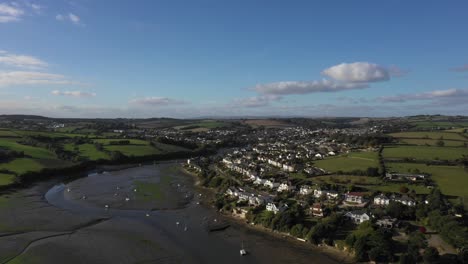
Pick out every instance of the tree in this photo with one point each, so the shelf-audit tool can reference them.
(404, 189)
(431, 255)
(440, 143)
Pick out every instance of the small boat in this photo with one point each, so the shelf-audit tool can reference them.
(185, 228)
(68, 189)
(177, 223)
(106, 206)
(147, 214)
(127, 199)
(242, 251)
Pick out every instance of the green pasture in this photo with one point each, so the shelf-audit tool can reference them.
(423, 152)
(35, 152)
(429, 135)
(452, 180)
(349, 162)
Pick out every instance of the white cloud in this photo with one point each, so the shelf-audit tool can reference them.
(10, 13)
(451, 94)
(70, 17)
(79, 94)
(31, 78)
(305, 87)
(256, 101)
(21, 61)
(357, 72)
(155, 101)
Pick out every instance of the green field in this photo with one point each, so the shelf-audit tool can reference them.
(133, 150)
(349, 162)
(438, 124)
(203, 125)
(370, 183)
(88, 151)
(22, 165)
(429, 135)
(432, 142)
(34, 152)
(7, 133)
(6, 179)
(424, 152)
(452, 180)
(131, 141)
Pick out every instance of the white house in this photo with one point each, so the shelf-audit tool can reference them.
(285, 187)
(271, 184)
(330, 194)
(272, 207)
(305, 190)
(381, 199)
(259, 181)
(354, 197)
(405, 200)
(357, 216)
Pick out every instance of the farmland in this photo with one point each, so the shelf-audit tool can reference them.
(452, 180)
(430, 135)
(424, 152)
(349, 162)
(37, 150)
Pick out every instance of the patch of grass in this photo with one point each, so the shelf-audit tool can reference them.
(7, 133)
(107, 141)
(88, 151)
(6, 179)
(432, 142)
(35, 152)
(429, 135)
(452, 180)
(347, 179)
(424, 152)
(349, 162)
(133, 150)
(22, 165)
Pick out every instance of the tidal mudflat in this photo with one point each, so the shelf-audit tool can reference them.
(145, 214)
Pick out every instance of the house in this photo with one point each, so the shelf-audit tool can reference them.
(381, 200)
(329, 194)
(256, 200)
(318, 156)
(305, 190)
(271, 184)
(387, 222)
(357, 216)
(317, 210)
(354, 197)
(285, 187)
(405, 200)
(272, 207)
(259, 181)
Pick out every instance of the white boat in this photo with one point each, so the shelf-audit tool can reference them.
(242, 251)
(185, 228)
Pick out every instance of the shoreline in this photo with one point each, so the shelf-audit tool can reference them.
(331, 252)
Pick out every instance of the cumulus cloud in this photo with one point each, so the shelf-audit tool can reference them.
(256, 101)
(463, 68)
(155, 101)
(69, 17)
(21, 61)
(432, 95)
(305, 87)
(31, 78)
(357, 72)
(10, 13)
(79, 94)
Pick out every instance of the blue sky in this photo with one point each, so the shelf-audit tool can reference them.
(97, 58)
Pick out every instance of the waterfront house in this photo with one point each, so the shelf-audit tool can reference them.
(357, 216)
